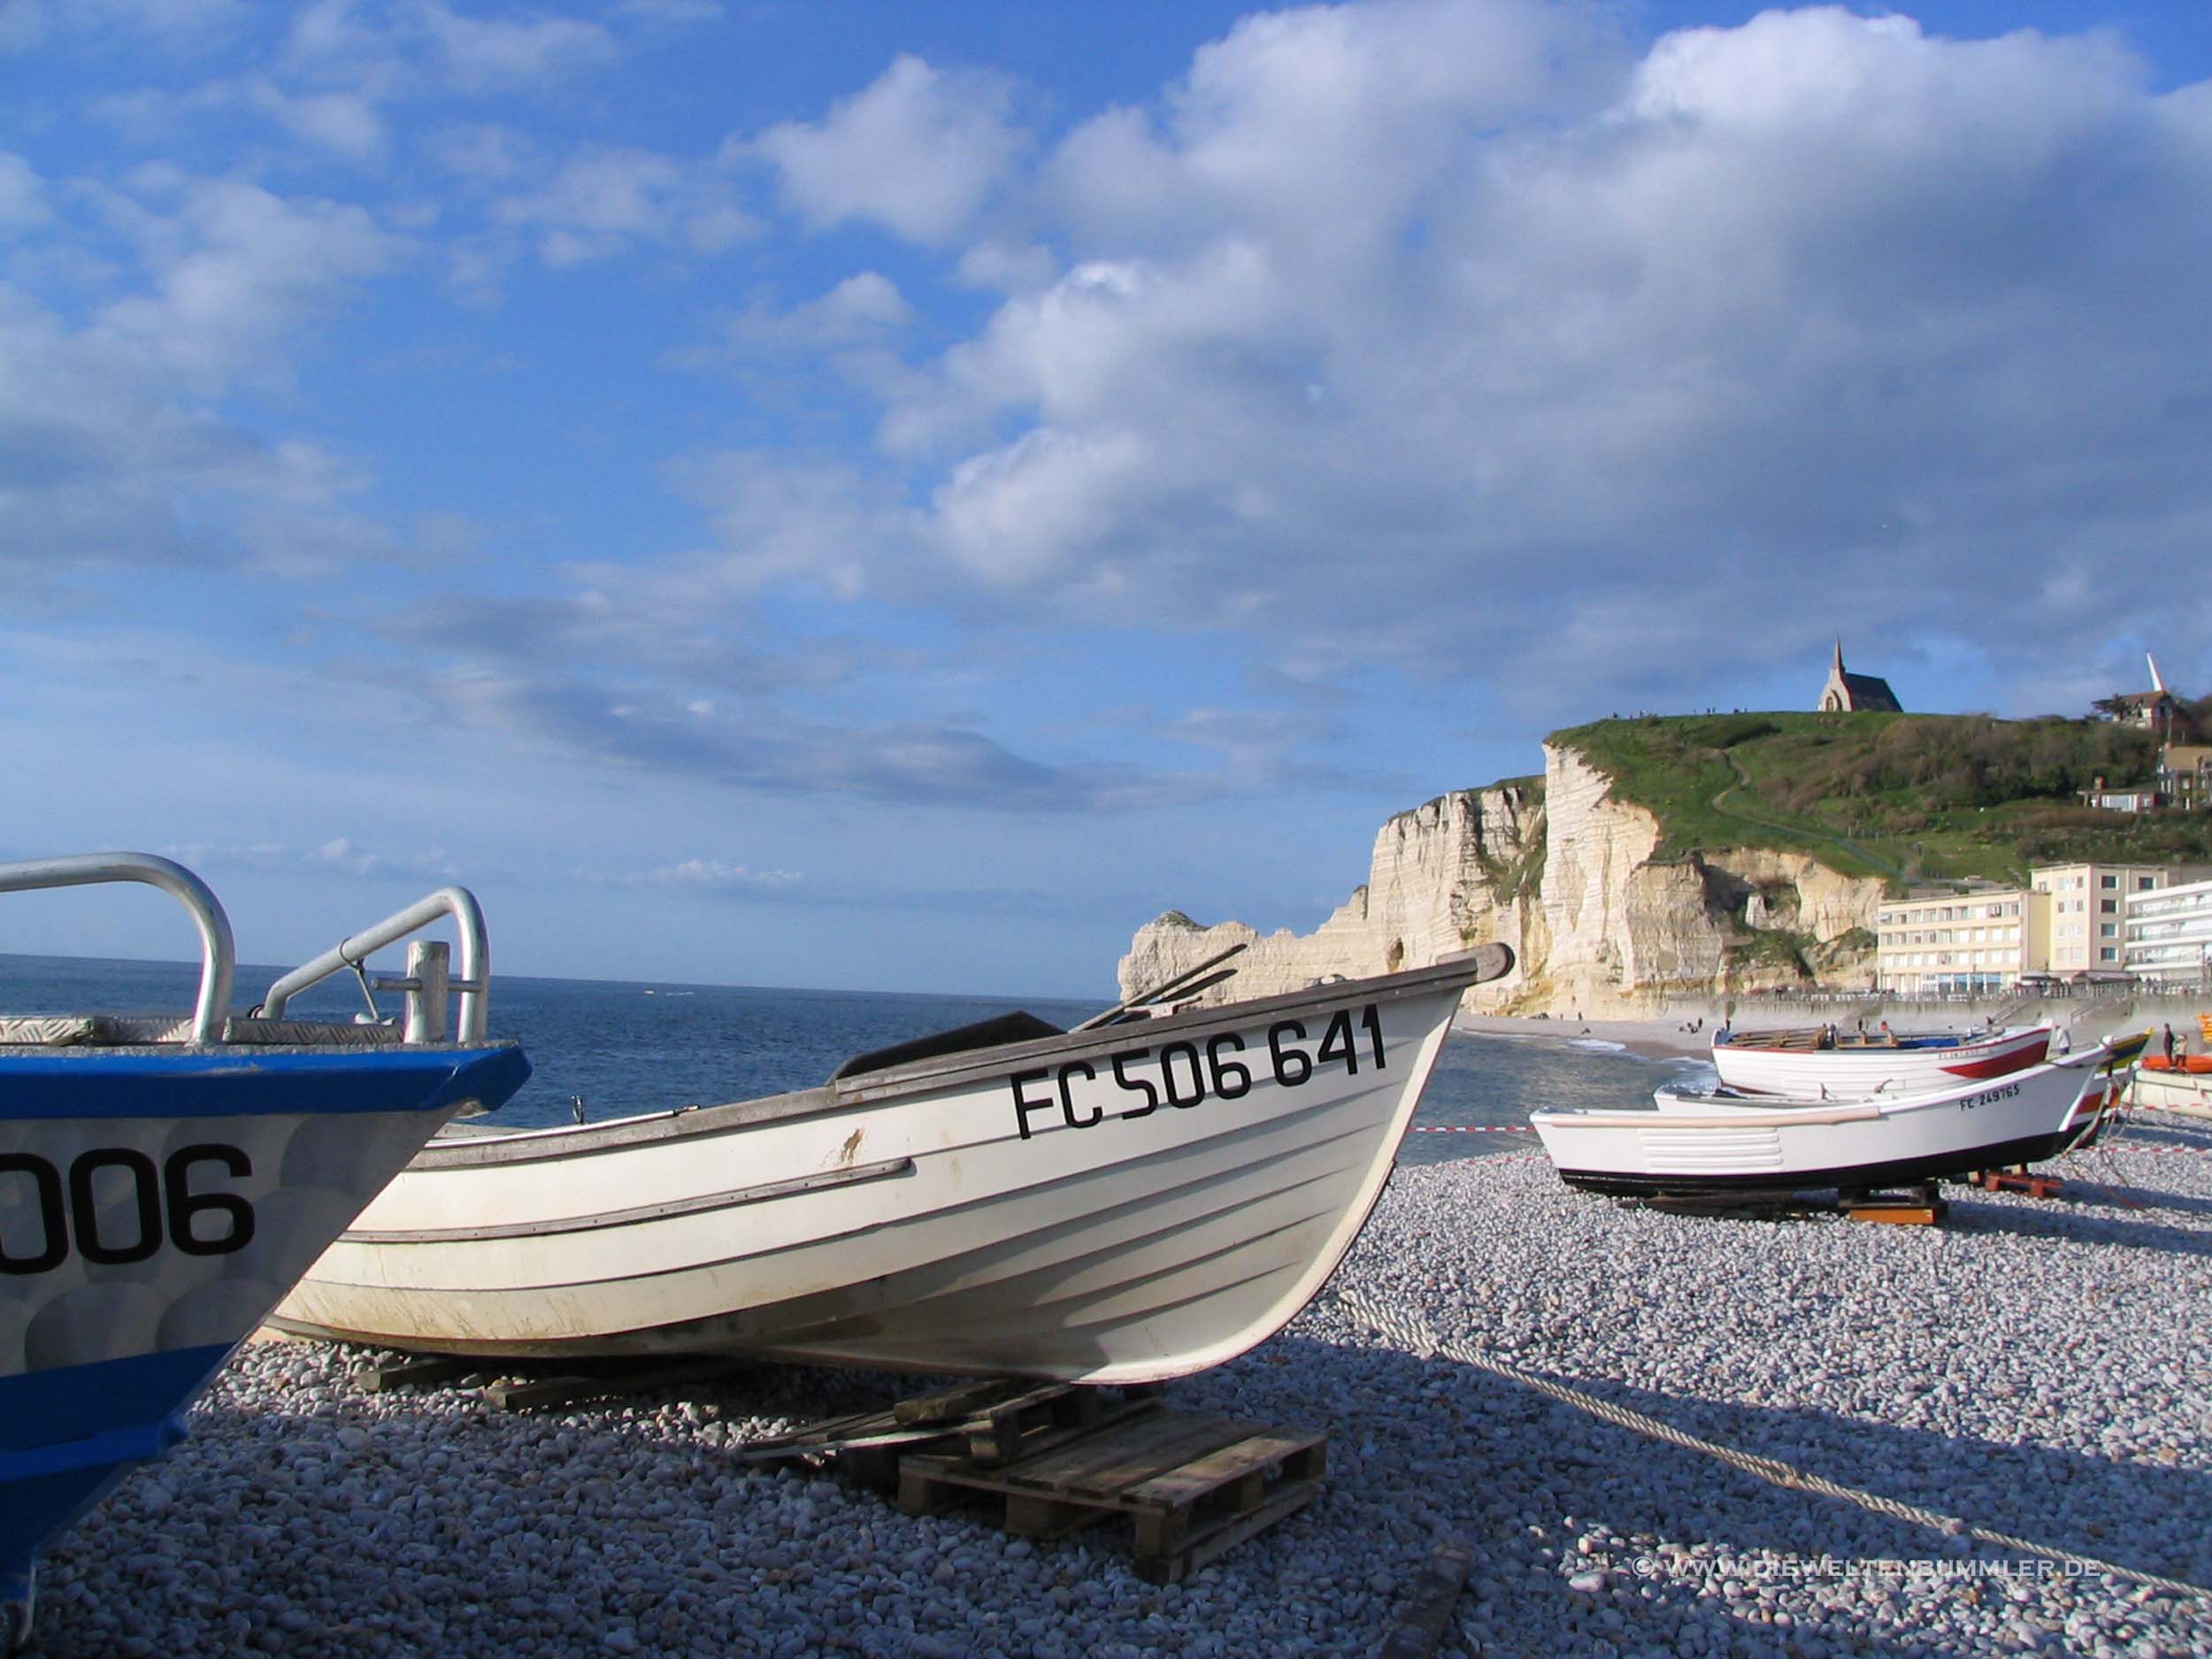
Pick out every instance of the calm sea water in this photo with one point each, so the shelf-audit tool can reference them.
(629, 1047)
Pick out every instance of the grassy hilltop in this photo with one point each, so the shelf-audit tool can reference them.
(1910, 797)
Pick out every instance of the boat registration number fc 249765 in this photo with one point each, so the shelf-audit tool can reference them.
(1185, 1074)
(112, 1206)
(1989, 1096)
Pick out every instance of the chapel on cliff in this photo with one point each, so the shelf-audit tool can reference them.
(1847, 693)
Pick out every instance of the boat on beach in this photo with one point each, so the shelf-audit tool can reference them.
(164, 1180)
(1721, 1140)
(1137, 1199)
(2182, 1084)
(1817, 1062)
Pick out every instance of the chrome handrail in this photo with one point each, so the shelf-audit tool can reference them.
(476, 957)
(217, 953)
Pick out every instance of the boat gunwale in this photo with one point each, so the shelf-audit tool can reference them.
(548, 1143)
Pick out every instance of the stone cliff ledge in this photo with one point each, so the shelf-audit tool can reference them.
(1564, 874)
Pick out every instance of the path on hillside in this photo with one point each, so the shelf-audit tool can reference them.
(1743, 781)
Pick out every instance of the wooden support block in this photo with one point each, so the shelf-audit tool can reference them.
(421, 1373)
(521, 1395)
(1428, 1612)
(1900, 1213)
(957, 1402)
(1223, 1536)
(1193, 1484)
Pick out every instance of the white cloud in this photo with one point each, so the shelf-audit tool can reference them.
(712, 875)
(22, 198)
(1454, 301)
(237, 271)
(480, 53)
(338, 854)
(919, 151)
(601, 200)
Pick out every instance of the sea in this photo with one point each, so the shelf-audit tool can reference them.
(610, 1048)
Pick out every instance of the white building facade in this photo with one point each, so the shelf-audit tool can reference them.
(1968, 941)
(2170, 936)
(2089, 908)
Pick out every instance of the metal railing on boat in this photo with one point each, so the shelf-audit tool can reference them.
(217, 952)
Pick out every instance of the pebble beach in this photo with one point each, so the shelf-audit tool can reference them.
(1661, 1434)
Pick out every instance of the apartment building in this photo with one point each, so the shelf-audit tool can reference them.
(2089, 910)
(1967, 939)
(2168, 936)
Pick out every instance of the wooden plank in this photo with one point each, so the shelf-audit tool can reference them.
(1187, 1482)
(1102, 1464)
(522, 1395)
(959, 1400)
(1428, 1611)
(1900, 1215)
(422, 1373)
(1224, 1535)
(1031, 1516)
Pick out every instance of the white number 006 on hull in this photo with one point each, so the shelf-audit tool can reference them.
(1124, 1203)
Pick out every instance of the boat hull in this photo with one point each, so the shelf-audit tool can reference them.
(1846, 1146)
(154, 1205)
(2186, 1092)
(1121, 1205)
(1859, 1072)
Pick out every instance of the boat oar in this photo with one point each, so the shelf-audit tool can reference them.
(1179, 984)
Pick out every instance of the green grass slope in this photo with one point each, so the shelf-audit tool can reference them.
(1908, 798)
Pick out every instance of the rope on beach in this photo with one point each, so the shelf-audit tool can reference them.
(1473, 1129)
(1413, 1334)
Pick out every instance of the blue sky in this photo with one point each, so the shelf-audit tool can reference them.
(895, 497)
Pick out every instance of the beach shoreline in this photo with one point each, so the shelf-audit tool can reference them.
(1596, 1395)
(1662, 1039)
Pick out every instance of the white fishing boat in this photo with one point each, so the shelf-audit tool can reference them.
(1821, 1061)
(1120, 1203)
(2163, 1086)
(164, 1179)
(1719, 1141)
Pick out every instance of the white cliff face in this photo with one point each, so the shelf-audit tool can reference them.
(1607, 931)
(1432, 889)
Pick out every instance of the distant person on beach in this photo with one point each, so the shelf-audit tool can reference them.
(2169, 1045)
(1887, 1036)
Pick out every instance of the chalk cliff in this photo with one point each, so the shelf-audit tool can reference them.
(1564, 874)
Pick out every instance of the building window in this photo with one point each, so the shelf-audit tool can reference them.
(2107, 881)
(2108, 954)
(2108, 907)
(2108, 930)
(2143, 884)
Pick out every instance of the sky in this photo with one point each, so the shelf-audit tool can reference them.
(895, 497)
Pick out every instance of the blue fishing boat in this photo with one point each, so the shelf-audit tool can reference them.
(165, 1180)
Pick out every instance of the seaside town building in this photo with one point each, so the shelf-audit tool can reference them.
(2073, 922)
(2170, 936)
(2088, 909)
(1976, 938)
(2185, 775)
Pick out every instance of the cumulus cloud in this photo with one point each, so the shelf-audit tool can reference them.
(919, 152)
(1459, 308)
(602, 200)
(237, 270)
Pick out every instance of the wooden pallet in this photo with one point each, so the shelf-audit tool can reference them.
(1195, 1485)
(1920, 1207)
(2020, 1181)
(1923, 1207)
(991, 1421)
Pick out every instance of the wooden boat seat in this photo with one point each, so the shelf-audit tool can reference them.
(1019, 1026)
